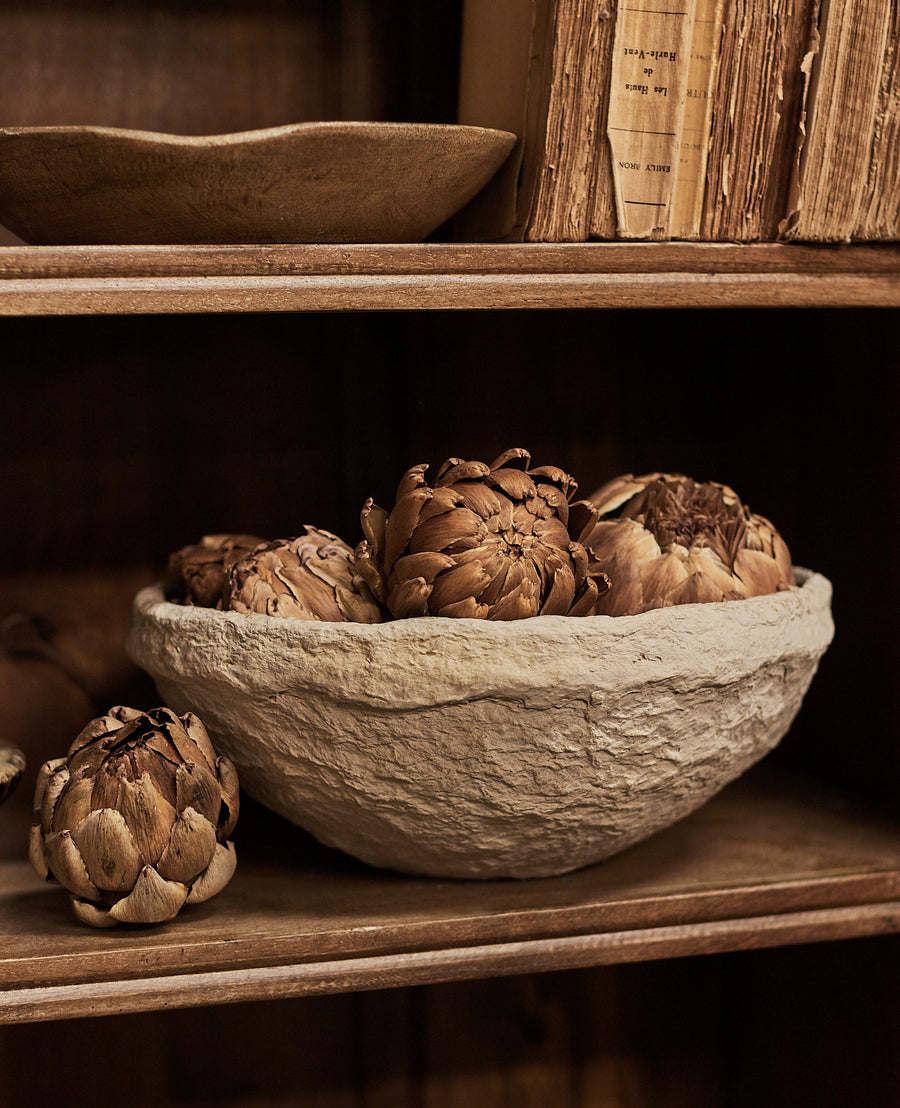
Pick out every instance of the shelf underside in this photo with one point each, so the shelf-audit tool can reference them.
(100, 280)
(772, 860)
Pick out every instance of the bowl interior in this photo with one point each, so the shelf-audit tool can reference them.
(307, 182)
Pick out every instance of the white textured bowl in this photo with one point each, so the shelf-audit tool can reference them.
(465, 748)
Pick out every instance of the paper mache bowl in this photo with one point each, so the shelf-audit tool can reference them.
(476, 749)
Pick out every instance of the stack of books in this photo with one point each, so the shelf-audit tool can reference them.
(707, 120)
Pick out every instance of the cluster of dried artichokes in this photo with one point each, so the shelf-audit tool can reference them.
(500, 541)
(134, 821)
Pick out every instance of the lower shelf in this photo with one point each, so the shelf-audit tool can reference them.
(773, 860)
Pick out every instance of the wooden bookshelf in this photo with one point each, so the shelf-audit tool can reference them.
(774, 859)
(149, 279)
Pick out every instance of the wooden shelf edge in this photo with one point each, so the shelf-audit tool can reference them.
(142, 280)
(428, 967)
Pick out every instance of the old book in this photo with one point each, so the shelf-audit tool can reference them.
(648, 93)
(757, 105)
(848, 185)
(538, 68)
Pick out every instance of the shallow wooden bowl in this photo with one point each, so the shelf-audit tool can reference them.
(464, 748)
(309, 182)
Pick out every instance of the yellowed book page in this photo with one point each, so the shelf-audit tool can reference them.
(648, 86)
(686, 209)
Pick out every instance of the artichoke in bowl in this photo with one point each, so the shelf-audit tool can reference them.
(666, 539)
(482, 542)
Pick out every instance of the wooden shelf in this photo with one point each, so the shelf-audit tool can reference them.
(773, 860)
(103, 280)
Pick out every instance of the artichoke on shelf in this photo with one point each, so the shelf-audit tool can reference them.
(483, 542)
(198, 573)
(666, 539)
(134, 821)
(12, 766)
(310, 577)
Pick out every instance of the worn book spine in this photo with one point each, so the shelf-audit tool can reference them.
(558, 196)
(756, 116)
(849, 171)
(692, 145)
(648, 89)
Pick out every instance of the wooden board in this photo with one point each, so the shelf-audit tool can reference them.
(132, 280)
(771, 860)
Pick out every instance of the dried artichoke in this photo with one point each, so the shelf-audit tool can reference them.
(134, 821)
(12, 766)
(666, 539)
(198, 574)
(310, 577)
(484, 542)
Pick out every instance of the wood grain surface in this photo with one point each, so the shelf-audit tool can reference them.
(771, 860)
(130, 280)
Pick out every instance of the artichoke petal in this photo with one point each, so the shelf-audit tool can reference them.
(410, 598)
(192, 845)
(373, 521)
(443, 500)
(152, 900)
(480, 499)
(216, 876)
(368, 569)
(231, 796)
(401, 523)
(52, 778)
(461, 471)
(414, 478)
(37, 853)
(67, 865)
(517, 457)
(455, 584)
(757, 572)
(92, 914)
(73, 802)
(521, 603)
(442, 531)
(426, 565)
(514, 483)
(108, 850)
(697, 588)
(148, 814)
(199, 736)
(197, 788)
(562, 593)
(468, 608)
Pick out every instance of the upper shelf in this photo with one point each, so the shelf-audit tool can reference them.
(124, 280)
(771, 860)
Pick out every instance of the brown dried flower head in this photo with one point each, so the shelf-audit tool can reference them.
(197, 574)
(12, 766)
(310, 577)
(666, 539)
(482, 542)
(134, 821)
